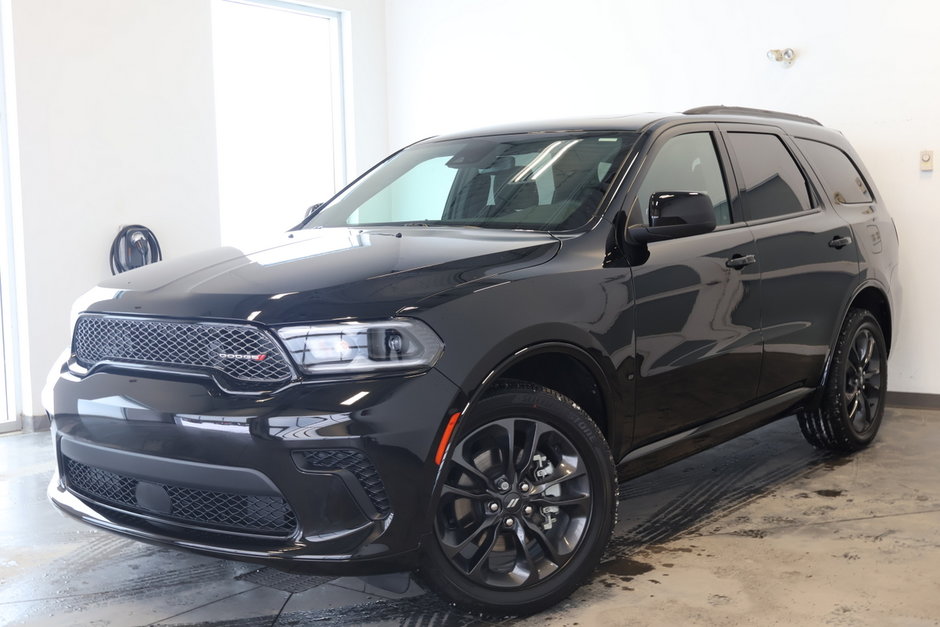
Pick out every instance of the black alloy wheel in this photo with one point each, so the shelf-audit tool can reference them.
(854, 397)
(526, 505)
(862, 393)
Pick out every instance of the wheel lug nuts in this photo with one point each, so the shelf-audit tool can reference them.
(524, 486)
(503, 485)
(509, 522)
(528, 510)
(494, 506)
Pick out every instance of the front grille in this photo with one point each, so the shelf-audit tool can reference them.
(244, 513)
(355, 462)
(231, 349)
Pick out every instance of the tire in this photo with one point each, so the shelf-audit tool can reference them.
(853, 400)
(504, 525)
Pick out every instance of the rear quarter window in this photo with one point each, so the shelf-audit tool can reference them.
(843, 182)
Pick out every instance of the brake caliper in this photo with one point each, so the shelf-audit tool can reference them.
(543, 467)
(543, 470)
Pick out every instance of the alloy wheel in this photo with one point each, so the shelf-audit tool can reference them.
(862, 392)
(515, 504)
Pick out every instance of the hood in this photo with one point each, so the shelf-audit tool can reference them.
(321, 274)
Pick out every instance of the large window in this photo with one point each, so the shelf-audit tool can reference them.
(279, 113)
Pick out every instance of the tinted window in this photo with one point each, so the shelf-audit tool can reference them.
(772, 184)
(840, 176)
(687, 163)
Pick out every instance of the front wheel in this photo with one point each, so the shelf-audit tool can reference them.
(854, 396)
(527, 503)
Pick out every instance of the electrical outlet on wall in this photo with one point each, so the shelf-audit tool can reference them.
(926, 160)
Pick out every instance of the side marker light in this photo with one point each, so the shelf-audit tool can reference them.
(445, 439)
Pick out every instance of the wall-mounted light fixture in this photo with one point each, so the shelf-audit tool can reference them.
(785, 56)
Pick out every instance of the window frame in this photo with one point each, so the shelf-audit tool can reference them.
(812, 183)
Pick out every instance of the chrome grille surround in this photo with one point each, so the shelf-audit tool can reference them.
(231, 350)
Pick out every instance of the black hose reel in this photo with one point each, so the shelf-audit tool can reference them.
(134, 246)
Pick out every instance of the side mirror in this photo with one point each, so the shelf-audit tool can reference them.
(312, 209)
(676, 214)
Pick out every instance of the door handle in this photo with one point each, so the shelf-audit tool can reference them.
(840, 242)
(739, 261)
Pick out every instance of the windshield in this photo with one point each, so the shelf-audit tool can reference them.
(545, 182)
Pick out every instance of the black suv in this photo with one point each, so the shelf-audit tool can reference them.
(447, 366)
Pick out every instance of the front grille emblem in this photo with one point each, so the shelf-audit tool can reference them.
(260, 357)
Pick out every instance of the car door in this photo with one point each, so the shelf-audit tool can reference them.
(850, 193)
(808, 256)
(697, 304)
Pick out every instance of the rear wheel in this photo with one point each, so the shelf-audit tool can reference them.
(526, 505)
(854, 397)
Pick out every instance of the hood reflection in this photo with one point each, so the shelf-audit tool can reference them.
(322, 242)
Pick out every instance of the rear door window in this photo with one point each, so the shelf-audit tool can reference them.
(771, 182)
(839, 174)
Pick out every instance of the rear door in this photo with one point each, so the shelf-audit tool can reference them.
(807, 253)
(697, 298)
(852, 196)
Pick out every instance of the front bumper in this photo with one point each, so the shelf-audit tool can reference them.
(333, 478)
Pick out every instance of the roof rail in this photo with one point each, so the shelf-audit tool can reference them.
(763, 113)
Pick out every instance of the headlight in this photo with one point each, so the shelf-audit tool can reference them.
(362, 346)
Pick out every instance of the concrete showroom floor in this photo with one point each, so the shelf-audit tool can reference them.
(763, 530)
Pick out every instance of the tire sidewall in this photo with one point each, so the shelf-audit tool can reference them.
(858, 321)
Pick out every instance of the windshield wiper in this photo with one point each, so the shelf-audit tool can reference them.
(425, 223)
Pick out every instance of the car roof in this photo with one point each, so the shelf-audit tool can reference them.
(794, 124)
(619, 123)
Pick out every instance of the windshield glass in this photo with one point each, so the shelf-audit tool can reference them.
(544, 181)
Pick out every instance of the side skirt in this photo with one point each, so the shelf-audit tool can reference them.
(675, 447)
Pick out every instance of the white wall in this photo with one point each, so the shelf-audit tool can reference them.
(116, 126)
(868, 68)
